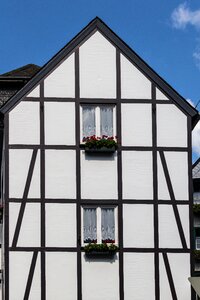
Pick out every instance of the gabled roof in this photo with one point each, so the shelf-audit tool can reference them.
(98, 24)
(26, 71)
(196, 169)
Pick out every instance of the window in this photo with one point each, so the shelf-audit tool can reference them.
(197, 238)
(98, 120)
(99, 225)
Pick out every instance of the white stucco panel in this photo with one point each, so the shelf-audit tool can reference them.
(171, 126)
(137, 175)
(136, 125)
(168, 231)
(163, 192)
(100, 278)
(35, 92)
(160, 95)
(19, 267)
(34, 189)
(139, 281)
(60, 225)
(24, 123)
(180, 268)
(165, 292)
(19, 162)
(98, 176)
(59, 123)
(29, 235)
(134, 232)
(61, 276)
(97, 68)
(133, 82)
(13, 213)
(60, 180)
(61, 82)
(35, 292)
(177, 163)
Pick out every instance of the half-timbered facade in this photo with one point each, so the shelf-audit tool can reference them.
(58, 197)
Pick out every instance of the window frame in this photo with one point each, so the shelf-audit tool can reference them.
(98, 216)
(97, 118)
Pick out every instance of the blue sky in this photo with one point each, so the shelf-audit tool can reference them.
(166, 34)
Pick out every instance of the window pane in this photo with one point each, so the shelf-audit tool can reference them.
(106, 120)
(88, 121)
(107, 225)
(198, 243)
(89, 225)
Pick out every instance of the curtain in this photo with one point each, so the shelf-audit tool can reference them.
(108, 225)
(88, 121)
(89, 225)
(106, 115)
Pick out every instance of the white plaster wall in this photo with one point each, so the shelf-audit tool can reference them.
(19, 162)
(137, 175)
(137, 231)
(35, 292)
(60, 168)
(184, 216)
(13, 213)
(59, 123)
(61, 82)
(163, 192)
(180, 268)
(35, 92)
(136, 125)
(61, 276)
(98, 176)
(139, 276)
(97, 68)
(19, 267)
(171, 126)
(24, 123)
(60, 225)
(34, 189)
(160, 95)
(177, 163)
(165, 292)
(133, 83)
(168, 231)
(29, 235)
(100, 278)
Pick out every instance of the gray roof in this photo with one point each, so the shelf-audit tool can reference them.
(196, 169)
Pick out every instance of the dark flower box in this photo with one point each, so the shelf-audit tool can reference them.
(100, 150)
(100, 254)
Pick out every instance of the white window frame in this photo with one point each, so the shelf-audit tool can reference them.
(97, 119)
(98, 215)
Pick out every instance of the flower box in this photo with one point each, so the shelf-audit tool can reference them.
(100, 250)
(98, 254)
(100, 150)
(104, 144)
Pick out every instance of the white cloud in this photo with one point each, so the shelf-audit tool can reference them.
(183, 16)
(196, 139)
(196, 56)
(191, 102)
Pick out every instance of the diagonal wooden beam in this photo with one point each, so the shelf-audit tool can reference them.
(169, 276)
(172, 196)
(30, 276)
(25, 194)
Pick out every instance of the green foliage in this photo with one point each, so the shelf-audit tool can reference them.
(92, 247)
(93, 142)
(196, 209)
(197, 254)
